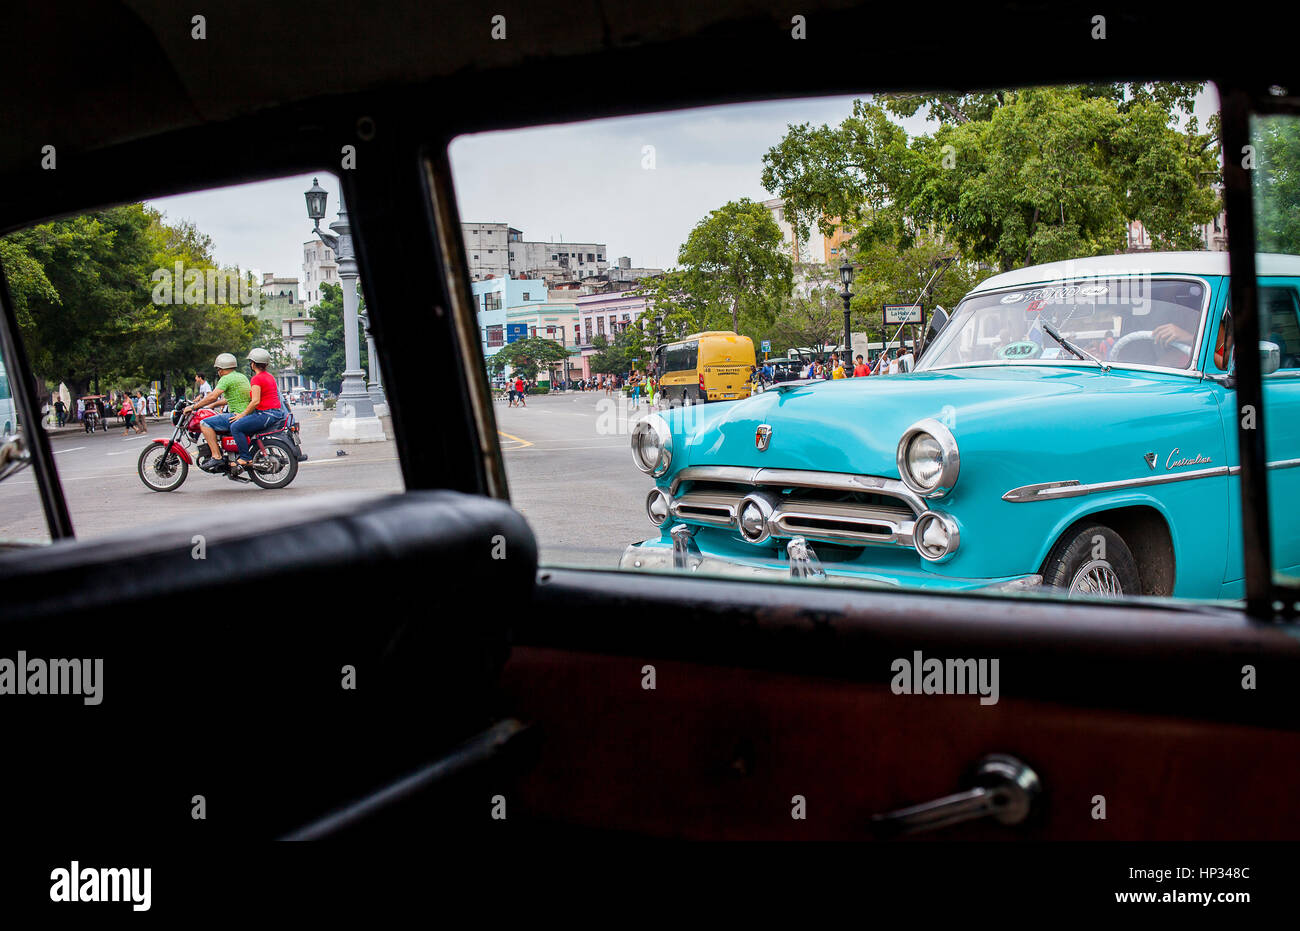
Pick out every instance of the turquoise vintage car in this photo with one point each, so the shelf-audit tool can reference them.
(1073, 426)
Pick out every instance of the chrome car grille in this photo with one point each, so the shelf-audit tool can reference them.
(831, 507)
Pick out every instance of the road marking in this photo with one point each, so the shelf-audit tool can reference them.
(70, 450)
(559, 449)
(515, 439)
(344, 459)
(121, 452)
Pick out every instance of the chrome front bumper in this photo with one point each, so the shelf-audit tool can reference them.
(656, 557)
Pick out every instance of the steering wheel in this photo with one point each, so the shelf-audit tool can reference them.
(1148, 339)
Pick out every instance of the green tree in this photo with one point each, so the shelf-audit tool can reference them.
(194, 334)
(27, 280)
(1010, 177)
(83, 291)
(847, 176)
(93, 307)
(734, 261)
(629, 350)
(527, 356)
(683, 310)
(927, 272)
(814, 320)
(1276, 182)
(323, 350)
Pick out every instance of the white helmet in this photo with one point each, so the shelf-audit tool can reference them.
(260, 356)
(227, 360)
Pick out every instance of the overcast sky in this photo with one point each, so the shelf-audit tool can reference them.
(580, 182)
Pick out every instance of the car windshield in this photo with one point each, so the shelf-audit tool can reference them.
(1133, 321)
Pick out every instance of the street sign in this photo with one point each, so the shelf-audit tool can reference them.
(516, 331)
(767, 345)
(903, 313)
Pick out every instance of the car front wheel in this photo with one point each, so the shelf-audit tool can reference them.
(1092, 562)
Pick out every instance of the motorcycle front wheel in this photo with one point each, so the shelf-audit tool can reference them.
(276, 467)
(161, 468)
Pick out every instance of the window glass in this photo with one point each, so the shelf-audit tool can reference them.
(133, 313)
(1276, 183)
(1035, 275)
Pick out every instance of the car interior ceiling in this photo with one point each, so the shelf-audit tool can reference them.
(546, 648)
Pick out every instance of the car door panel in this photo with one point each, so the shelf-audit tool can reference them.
(719, 752)
(754, 704)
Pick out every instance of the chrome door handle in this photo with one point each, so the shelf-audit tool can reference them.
(1004, 789)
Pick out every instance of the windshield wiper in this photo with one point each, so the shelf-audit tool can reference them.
(1083, 354)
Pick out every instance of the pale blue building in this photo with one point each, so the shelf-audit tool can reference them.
(494, 298)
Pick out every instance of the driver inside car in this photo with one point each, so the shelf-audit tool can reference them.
(233, 387)
(1173, 329)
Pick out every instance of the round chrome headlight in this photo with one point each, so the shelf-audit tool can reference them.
(928, 461)
(652, 445)
(656, 506)
(935, 536)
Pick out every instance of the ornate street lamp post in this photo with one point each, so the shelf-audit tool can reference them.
(376, 388)
(846, 279)
(354, 420)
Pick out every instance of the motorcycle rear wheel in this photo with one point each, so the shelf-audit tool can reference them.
(279, 453)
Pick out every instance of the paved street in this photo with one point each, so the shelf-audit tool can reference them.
(571, 474)
(105, 494)
(566, 455)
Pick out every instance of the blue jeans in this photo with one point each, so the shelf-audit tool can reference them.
(250, 423)
(219, 423)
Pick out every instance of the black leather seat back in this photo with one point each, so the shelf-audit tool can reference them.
(223, 675)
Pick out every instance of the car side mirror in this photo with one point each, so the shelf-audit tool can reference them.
(1270, 357)
(1270, 360)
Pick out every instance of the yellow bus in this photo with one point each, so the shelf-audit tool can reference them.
(712, 366)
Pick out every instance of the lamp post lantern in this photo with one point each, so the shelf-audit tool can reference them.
(354, 420)
(846, 279)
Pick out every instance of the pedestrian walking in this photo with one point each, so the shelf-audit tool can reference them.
(519, 390)
(60, 412)
(138, 403)
(128, 415)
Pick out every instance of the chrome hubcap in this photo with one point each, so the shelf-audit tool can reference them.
(1096, 579)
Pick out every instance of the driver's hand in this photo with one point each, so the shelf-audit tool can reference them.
(1167, 333)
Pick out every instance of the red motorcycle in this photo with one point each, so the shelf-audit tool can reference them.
(164, 464)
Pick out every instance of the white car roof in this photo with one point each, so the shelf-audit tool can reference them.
(1137, 263)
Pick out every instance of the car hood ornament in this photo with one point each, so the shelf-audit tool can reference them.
(763, 436)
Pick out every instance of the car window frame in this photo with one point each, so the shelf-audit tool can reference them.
(1268, 596)
(91, 192)
(36, 442)
(1265, 600)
